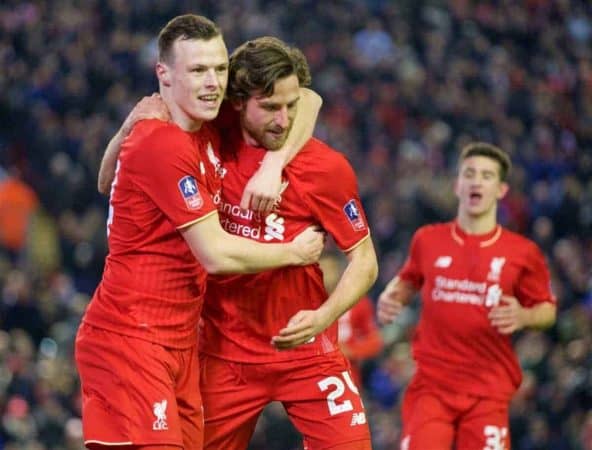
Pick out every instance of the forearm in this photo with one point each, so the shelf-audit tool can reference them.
(221, 252)
(109, 162)
(359, 275)
(540, 316)
(302, 130)
(240, 255)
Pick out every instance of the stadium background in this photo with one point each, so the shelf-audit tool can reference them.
(405, 84)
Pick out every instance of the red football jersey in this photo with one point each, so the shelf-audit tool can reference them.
(461, 278)
(152, 285)
(243, 312)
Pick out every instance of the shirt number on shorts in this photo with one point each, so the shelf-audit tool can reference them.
(495, 437)
(339, 388)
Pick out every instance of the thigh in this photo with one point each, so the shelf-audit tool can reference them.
(128, 395)
(233, 398)
(428, 423)
(323, 403)
(189, 402)
(485, 426)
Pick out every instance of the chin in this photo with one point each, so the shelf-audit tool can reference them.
(208, 115)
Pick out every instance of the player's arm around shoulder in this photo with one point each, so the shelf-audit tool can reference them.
(263, 188)
(220, 252)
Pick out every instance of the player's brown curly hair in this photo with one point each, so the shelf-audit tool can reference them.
(256, 65)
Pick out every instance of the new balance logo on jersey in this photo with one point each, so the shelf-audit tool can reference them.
(159, 409)
(443, 262)
(354, 216)
(495, 268)
(190, 192)
(358, 419)
(274, 227)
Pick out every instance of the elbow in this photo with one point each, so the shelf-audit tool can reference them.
(220, 264)
(102, 187)
(372, 273)
(552, 316)
(214, 266)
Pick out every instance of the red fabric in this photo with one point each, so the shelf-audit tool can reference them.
(125, 384)
(455, 345)
(317, 393)
(153, 286)
(243, 312)
(434, 418)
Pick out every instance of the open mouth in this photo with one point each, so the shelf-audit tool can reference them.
(475, 197)
(211, 99)
(276, 133)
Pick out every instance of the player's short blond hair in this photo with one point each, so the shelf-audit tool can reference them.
(489, 151)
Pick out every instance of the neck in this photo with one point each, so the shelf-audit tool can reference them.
(476, 225)
(249, 140)
(178, 116)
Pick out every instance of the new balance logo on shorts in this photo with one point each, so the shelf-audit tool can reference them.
(358, 419)
(159, 409)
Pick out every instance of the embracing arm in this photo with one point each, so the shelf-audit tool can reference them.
(109, 161)
(264, 186)
(358, 277)
(221, 252)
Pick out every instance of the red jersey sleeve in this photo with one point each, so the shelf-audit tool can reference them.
(335, 202)
(166, 166)
(411, 271)
(534, 286)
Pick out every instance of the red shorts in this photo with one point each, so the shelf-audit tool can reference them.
(317, 393)
(135, 392)
(434, 418)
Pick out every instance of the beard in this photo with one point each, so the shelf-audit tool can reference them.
(269, 138)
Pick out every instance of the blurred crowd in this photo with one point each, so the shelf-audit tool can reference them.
(405, 84)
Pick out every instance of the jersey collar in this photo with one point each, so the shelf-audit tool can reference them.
(484, 240)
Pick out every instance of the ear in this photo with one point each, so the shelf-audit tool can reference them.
(503, 190)
(163, 73)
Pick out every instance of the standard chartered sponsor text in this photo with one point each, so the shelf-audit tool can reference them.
(459, 291)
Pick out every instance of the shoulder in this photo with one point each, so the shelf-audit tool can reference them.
(156, 134)
(520, 243)
(433, 231)
(316, 158)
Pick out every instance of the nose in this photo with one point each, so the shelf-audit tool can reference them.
(211, 79)
(282, 117)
